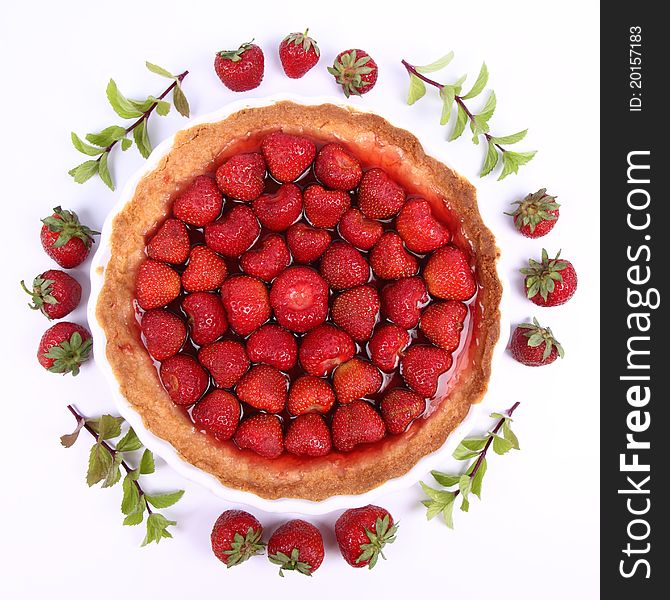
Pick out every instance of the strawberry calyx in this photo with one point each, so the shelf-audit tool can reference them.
(538, 335)
(291, 563)
(348, 72)
(66, 223)
(69, 355)
(235, 55)
(303, 39)
(243, 548)
(534, 209)
(40, 294)
(382, 535)
(541, 276)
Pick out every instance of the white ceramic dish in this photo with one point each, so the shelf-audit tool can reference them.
(439, 459)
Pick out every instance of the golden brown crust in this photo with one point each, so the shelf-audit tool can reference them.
(198, 150)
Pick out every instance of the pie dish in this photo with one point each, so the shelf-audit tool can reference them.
(200, 150)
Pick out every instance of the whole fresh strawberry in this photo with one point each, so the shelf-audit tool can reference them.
(261, 433)
(65, 239)
(273, 345)
(217, 413)
(310, 394)
(299, 298)
(355, 71)
(307, 243)
(184, 379)
(536, 214)
(399, 408)
(551, 282)
(379, 197)
(534, 345)
(64, 347)
(357, 311)
(448, 274)
(344, 267)
(287, 156)
(298, 53)
(359, 231)
(264, 388)
(226, 361)
(234, 232)
(296, 546)
(421, 367)
(206, 317)
(442, 323)
(200, 203)
(322, 349)
(362, 534)
(403, 300)
(242, 69)
(164, 333)
(278, 211)
(55, 293)
(156, 284)
(419, 229)
(337, 168)
(356, 379)
(308, 435)
(242, 176)
(246, 302)
(356, 423)
(170, 243)
(236, 537)
(205, 271)
(324, 208)
(387, 345)
(267, 259)
(390, 260)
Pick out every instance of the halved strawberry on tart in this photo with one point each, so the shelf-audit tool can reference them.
(300, 300)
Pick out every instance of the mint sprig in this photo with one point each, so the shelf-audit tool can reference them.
(104, 466)
(101, 144)
(442, 500)
(454, 100)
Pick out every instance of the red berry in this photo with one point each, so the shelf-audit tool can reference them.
(337, 168)
(205, 270)
(421, 367)
(299, 298)
(200, 203)
(267, 259)
(362, 534)
(551, 282)
(448, 275)
(278, 211)
(403, 300)
(183, 378)
(236, 537)
(379, 197)
(65, 239)
(399, 408)
(242, 176)
(387, 345)
(234, 232)
(242, 69)
(206, 317)
(356, 379)
(306, 243)
(273, 345)
(298, 53)
(287, 156)
(217, 413)
(264, 388)
(355, 71)
(536, 214)
(324, 208)
(261, 433)
(534, 345)
(324, 348)
(310, 394)
(246, 302)
(170, 243)
(419, 229)
(164, 333)
(357, 311)
(390, 260)
(343, 267)
(356, 423)
(296, 546)
(226, 360)
(359, 231)
(156, 284)
(55, 293)
(308, 435)
(64, 347)
(442, 323)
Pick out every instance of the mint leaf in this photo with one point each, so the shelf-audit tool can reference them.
(83, 146)
(99, 463)
(465, 504)
(459, 127)
(437, 65)
(129, 442)
(69, 439)
(510, 139)
(120, 103)
(417, 89)
(126, 143)
(164, 500)
(107, 427)
(445, 479)
(448, 95)
(130, 503)
(180, 102)
(103, 171)
(465, 485)
(441, 502)
(141, 137)
(487, 112)
(157, 526)
(509, 435)
(158, 70)
(147, 465)
(475, 443)
(136, 517)
(162, 107)
(491, 160)
(84, 171)
(480, 83)
(107, 136)
(513, 160)
(477, 479)
(113, 474)
(501, 445)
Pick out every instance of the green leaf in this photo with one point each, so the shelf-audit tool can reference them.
(130, 502)
(83, 146)
(477, 479)
(107, 427)
(99, 464)
(487, 112)
(475, 443)
(143, 105)
(180, 102)
(465, 504)
(113, 475)
(157, 526)
(104, 171)
(459, 127)
(159, 70)
(84, 171)
(417, 89)
(147, 465)
(445, 479)
(162, 107)
(501, 445)
(510, 139)
(513, 160)
(439, 64)
(465, 484)
(480, 83)
(448, 513)
(137, 517)
(141, 137)
(164, 500)
(491, 160)
(120, 103)
(469, 448)
(69, 439)
(448, 95)
(126, 143)
(129, 442)
(107, 136)
(509, 435)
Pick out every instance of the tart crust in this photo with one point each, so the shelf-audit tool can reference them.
(199, 150)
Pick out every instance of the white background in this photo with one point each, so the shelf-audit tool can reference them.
(535, 533)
